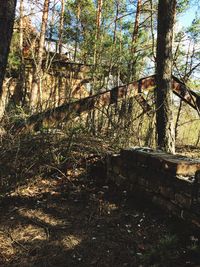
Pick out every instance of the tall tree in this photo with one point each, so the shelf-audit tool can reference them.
(7, 15)
(98, 27)
(21, 41)
(61, 26)
(36, 89)
(164, 118)
(136, 25)
(135, 36)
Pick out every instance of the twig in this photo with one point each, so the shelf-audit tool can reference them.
(52, 167)
(15, 241)
(41, 225)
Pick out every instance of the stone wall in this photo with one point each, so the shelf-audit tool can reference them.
(170, 181)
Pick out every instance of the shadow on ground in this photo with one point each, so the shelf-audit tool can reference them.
(79, 221)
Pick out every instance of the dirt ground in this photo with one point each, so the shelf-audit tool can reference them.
(76, 221)
(65, 217)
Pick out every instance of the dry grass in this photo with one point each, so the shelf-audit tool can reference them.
(54, 214)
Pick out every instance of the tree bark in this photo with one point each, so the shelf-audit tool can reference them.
(21, 46)
(7, 16)
(21, 26)
(61, 27)
(134, 40)
(98, 27)
(136, 25)
(164, 118)
(36, 83)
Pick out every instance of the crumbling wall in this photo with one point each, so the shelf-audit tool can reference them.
(170, 181)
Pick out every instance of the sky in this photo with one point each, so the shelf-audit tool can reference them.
(186, 19)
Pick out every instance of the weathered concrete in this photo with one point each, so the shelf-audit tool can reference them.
(171, 181)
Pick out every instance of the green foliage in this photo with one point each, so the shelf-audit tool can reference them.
(80, 22)
(113, 46)
(194, 29)
(182, 5)
(17, 114)
(14, 59)
(117, 21)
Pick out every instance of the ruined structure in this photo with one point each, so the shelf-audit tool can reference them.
(170, 181)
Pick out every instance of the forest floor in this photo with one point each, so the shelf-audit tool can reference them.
(64, 217)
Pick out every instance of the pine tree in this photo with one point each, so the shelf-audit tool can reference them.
(7, 15)
(164, 119)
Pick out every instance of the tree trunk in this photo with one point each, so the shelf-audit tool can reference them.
(22, 66)
(115, 26)
(98, 27)
(136, 25)
(61, 27)
(52, 22)
(134, 40)
(164, 118)
(7, 16)
(77, 29)
(36, 83)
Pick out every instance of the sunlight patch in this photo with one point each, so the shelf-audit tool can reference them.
(42, 219)
(71, 241)
(6, 249)
(36, 186)
(29, 234)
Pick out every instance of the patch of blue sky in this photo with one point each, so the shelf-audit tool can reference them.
(186, 18)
